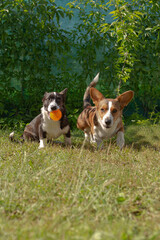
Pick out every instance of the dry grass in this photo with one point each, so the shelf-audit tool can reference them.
(82, 193)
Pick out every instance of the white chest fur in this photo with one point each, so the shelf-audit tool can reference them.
(52, 128)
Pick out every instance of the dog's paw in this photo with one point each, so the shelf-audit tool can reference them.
(41, 144)
(11, 135)
(68, 141)
(40, 147)
(93, 141)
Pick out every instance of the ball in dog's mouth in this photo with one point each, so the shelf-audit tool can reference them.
(56, 115)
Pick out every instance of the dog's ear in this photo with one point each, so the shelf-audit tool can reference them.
(96, 95)
(125, 98)
(44, 97)
(64, 93)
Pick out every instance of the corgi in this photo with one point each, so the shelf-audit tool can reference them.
(42, 126)
(104, 120)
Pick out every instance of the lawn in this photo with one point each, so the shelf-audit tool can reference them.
(80, 192)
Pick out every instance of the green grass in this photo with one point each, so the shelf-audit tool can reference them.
(81, 193)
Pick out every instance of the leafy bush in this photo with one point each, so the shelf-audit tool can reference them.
(38, 53)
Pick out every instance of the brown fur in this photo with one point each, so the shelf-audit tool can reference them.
(91, 116)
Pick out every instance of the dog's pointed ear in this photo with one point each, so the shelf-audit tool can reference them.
(96, 95)
(44, 97)
(125, 98)
(64, 93)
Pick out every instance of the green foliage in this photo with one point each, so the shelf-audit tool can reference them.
(39, 52)
(126, 29)
(32, 44)
(153, 118)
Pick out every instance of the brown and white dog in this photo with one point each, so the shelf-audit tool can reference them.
(104, 120)
(42, 126)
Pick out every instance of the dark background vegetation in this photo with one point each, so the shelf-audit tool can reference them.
(43, 49)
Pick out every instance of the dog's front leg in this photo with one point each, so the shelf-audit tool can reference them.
(120, 139)
(42, 136)
(96, 139)
(99, 143)
(67, 138)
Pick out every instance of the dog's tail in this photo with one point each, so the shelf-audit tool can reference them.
(11, 137)
(87, 98)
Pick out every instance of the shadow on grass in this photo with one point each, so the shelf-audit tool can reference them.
(77, 143)
(137, 138)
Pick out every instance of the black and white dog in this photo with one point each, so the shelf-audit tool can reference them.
(42, 126)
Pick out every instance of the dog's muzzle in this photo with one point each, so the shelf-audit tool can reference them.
(53, 108)
(108, 123)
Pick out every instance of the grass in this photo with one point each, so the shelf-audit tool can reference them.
(81, 193)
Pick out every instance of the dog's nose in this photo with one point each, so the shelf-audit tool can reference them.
(53, 108)
(108, 122)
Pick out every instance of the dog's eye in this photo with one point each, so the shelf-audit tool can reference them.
(114, 110)
(102, 110)
(58, 99)
(50, 97)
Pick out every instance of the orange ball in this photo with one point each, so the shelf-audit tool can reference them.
(56, 115)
